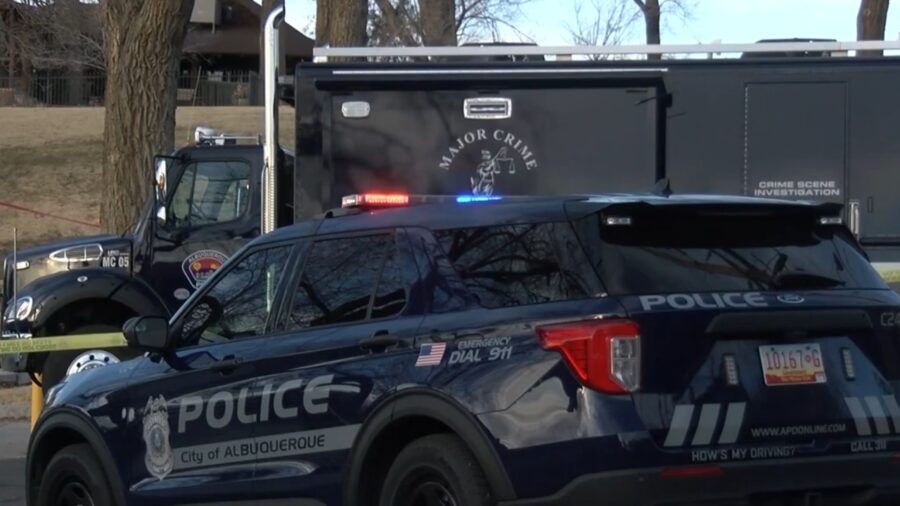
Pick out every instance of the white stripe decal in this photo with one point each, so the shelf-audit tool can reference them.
(709, 418)
(859, 416)
(894, 410)
(878, 416)
(681, 421)
(734, 419)
(266, 447)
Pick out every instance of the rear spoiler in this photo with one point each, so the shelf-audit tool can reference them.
(829, 213)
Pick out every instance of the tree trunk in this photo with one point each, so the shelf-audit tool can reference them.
(143, 49)
(438, 19)
(870, 23)
(341, 22)
(651, 12)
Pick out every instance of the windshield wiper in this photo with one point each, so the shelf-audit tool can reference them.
(799, 279)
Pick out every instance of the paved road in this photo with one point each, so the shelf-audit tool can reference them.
(13, 443)
(12, 482)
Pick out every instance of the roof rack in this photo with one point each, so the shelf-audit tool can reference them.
(567, 52)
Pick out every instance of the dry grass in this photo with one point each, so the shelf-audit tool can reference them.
(51, 161)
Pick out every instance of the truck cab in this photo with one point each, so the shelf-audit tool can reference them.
(205, 205)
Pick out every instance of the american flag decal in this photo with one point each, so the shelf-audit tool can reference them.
(431, 354)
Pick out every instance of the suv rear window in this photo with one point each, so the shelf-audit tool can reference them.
(691, 250)
(514, 265)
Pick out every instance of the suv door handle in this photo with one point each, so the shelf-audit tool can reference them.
(380, 341)
(226, 365)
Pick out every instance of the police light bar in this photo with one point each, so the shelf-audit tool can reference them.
(468, 199)
(375, 200)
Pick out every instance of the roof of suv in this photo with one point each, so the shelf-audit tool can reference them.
(448, 213)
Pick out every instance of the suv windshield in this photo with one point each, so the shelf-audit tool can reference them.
(693, 250)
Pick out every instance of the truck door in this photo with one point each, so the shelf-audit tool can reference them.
(502, 138)
(212, 211)
(874, 160)
(795, 141)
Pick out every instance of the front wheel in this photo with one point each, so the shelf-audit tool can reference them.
(436, 470)
(74, 477)
(60, 364)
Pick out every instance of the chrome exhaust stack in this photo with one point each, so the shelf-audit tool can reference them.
(272, 55)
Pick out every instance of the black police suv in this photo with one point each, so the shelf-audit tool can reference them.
(479, 350)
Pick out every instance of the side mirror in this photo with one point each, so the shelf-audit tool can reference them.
(160, 186)
(149, 333)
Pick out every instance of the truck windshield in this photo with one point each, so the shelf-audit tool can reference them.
(666, 251)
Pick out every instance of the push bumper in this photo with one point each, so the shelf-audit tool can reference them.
(839, 481)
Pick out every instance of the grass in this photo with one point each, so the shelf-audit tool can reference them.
(51, 161)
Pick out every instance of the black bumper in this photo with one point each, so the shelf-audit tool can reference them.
(839, 481)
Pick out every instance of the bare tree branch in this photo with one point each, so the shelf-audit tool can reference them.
(659, 12)
(417, 22)
(56, 33)
(609, 23)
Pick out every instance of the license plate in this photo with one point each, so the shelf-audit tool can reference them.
(792, 364)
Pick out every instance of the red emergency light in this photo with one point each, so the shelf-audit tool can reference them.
(375, 200)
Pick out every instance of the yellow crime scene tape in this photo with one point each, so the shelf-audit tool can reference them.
(60, 343)
(63, 343)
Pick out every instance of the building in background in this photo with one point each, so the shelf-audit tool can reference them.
(51, 53)
(221, 53)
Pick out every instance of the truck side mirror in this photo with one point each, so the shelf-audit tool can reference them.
(149, 333)
(160, 187)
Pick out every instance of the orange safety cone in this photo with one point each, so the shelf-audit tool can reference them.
(37, 402)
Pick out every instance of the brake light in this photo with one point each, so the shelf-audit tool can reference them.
(604, 354)
(375, 199)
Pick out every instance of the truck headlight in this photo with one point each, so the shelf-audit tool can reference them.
(21, 310)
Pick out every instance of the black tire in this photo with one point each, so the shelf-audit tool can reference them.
(74, 476)
(58, 362)
(435, 470)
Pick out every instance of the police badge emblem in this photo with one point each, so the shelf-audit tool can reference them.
(159, 458)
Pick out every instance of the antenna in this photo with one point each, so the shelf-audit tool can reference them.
(15, 269)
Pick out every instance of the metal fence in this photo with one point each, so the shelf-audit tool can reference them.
(207, 89)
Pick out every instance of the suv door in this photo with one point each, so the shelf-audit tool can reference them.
(210, 214)
(194, 411)
(347, 333)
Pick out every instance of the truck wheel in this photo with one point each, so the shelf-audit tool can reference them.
(60, 364)
(73, 477)
(436, 470)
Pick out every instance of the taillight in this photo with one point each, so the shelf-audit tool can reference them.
(604, 354)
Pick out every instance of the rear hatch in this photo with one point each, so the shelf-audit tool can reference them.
(761, 325)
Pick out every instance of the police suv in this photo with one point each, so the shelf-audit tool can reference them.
(479, 350)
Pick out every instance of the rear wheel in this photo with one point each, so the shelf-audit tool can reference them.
(74, 477)
(436, 470)
(60, 364)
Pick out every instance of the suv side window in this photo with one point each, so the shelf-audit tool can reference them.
(240, 302)
(339, 280)
(210, 192)
(514, 265)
